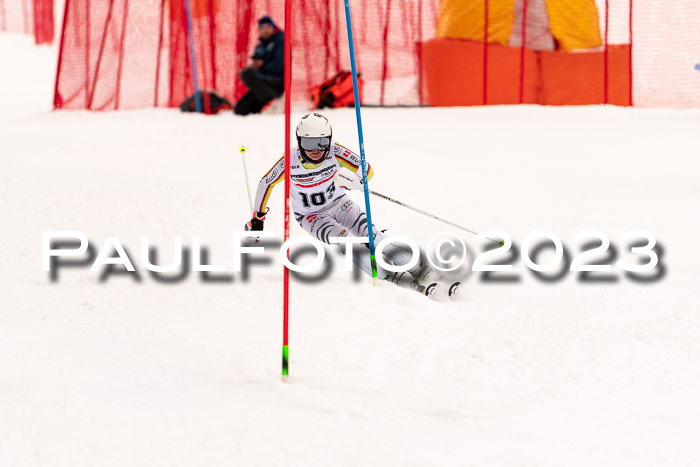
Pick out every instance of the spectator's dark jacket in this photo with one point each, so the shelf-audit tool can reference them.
(271, 52)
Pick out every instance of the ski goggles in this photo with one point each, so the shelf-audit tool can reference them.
(321, 143)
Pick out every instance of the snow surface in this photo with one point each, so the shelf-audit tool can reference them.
(127, 373)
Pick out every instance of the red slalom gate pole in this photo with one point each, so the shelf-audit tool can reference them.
(287, 181)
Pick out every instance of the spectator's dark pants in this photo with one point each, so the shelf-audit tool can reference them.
(261, 90)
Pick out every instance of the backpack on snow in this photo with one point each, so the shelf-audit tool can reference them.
(216, 103)
(335, 92)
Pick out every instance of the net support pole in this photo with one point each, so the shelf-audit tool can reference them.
(91, 94)
(419, 52)
(57, 101)
(486, 51)
(120, 63)
(287, 179)
(362, 141)
(606, 53)
(212, 43)
(160, 52)
(385, 52)
(522, 53)
(193, 59)
(87, 52)
(630, 54)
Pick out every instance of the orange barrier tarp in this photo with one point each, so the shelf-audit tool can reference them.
(453, 75)
(579, 78)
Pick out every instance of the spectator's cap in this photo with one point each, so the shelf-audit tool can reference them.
(266, 20)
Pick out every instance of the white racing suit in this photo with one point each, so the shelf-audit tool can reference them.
(325, 211)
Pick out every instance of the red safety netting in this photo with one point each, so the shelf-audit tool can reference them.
(28, 17)
(134, 53)
(130, 54)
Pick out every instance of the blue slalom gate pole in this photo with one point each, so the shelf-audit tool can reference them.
(193, 60)
(362, 140)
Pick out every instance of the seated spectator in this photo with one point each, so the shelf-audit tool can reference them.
(265, 77)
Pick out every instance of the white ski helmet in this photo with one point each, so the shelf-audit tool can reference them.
(314, 132)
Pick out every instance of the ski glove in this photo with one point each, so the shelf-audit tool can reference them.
(257, 222)
(345, 178)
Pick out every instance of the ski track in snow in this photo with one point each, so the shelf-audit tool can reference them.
(122, 372)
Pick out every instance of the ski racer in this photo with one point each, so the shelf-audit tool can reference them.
(324, 210)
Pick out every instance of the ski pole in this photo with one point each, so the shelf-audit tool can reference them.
(430, 215)
(245, 172)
